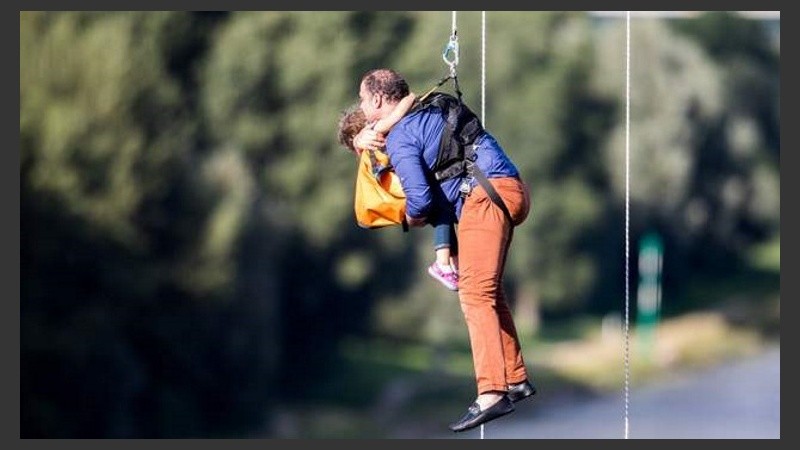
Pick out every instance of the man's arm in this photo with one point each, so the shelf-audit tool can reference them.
(405, 153)
(416, 222)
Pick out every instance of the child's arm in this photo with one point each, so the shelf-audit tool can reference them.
(384, 125)
(373, 135)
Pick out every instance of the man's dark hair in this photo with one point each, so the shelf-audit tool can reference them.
(386, 82)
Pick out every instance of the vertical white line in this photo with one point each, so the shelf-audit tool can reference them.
(627, 213)
(483, 68)
(483, 86)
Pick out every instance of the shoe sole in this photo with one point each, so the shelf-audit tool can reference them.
(441, 280)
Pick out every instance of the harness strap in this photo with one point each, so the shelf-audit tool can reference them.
(492, 192)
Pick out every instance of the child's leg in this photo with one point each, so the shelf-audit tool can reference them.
(442, 269)
(443, 257)
(453, 248)
(441, 243)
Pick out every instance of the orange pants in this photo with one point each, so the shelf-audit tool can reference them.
(484, 237)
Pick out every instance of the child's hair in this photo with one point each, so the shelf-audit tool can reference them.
(351, 122)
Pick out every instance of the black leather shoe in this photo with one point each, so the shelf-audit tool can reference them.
(474, 416)
(520, 391)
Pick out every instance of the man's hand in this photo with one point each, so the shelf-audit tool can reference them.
(368, 139)
(415, 222)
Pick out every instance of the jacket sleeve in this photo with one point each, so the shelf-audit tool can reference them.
(405, 153)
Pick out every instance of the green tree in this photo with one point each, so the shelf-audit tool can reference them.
(701, 170)
(130, 237)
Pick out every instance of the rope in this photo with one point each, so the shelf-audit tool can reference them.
(483, 92)
(627, 212)
(453, 45)
(483, 68)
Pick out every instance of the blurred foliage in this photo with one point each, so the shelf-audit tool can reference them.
(189, 255)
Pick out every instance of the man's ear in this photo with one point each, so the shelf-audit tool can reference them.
(377, 101)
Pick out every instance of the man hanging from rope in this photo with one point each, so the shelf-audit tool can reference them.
(487, 202)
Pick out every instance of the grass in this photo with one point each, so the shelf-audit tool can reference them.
(767, 256)
(691, 340)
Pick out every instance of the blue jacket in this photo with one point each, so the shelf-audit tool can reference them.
(412, 146)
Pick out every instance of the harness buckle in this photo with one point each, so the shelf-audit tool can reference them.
(466, 187)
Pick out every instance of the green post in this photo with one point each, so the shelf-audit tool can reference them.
(648, 295)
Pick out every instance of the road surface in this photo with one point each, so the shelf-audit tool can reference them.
(738, 400)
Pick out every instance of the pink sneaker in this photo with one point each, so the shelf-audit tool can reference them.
(448, 279)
